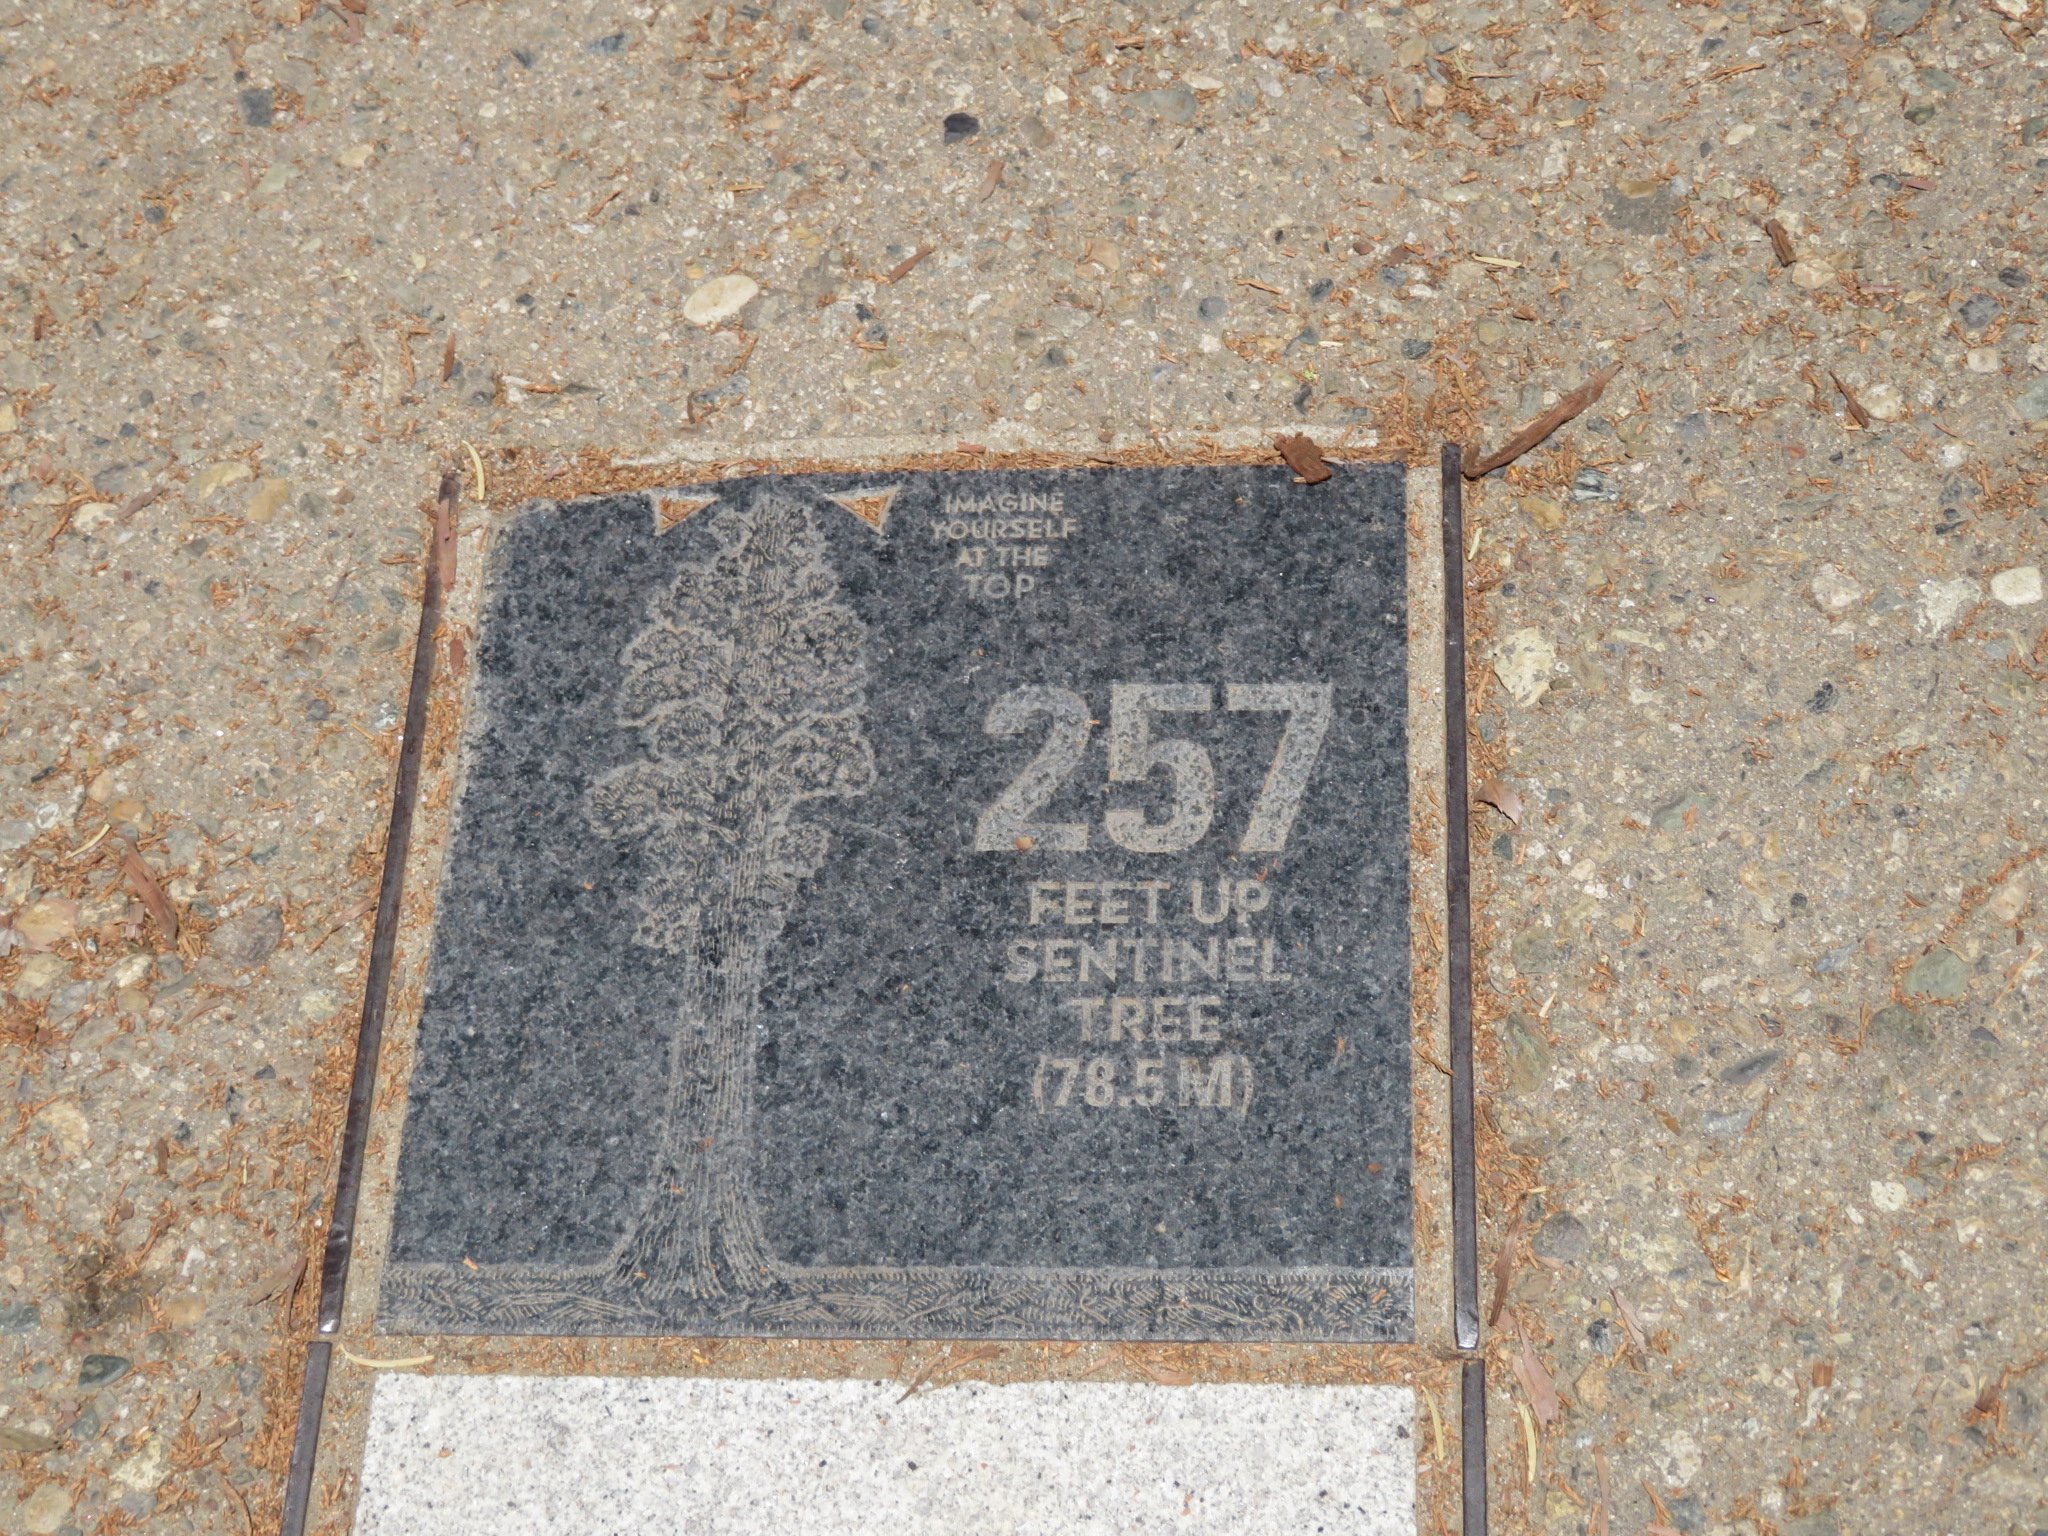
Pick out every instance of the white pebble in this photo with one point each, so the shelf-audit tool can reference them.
(1524, 663)
(1943, 602)
(2017, 587)
(1833, 591)
(720, 299)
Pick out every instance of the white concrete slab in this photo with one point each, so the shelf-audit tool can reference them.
(662, 1456)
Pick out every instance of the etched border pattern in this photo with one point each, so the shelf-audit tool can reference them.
(1374, 1305)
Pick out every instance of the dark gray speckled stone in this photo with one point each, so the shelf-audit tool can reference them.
(790, 851)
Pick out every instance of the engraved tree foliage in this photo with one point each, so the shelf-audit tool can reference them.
(747, 689)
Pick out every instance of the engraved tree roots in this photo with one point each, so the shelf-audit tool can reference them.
(747, 688)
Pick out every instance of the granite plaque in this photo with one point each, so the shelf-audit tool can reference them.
(927, 905)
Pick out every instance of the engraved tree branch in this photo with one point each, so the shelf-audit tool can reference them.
(747, 688)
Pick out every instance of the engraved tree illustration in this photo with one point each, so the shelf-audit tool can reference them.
(747, 689)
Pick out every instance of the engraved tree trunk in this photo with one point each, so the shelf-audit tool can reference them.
(747, 689)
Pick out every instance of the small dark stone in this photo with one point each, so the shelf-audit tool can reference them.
(1415, 349)
(249, 938)
(1688, 1514)
(1593, 485)
(258, 106)
(1564, 1238)
(1213, 308)
(318, 709)
(1895, 18)
(1320, 289)
(525, 56)
(960, 125)
(1921, 115)
(1987, 1043)
(1823, 699)
(98, 1370)
(615, 43)
(1750, 1068)
(729, 391)
(1979, 311)
(2014, 277)
(1897, 1023)
(19, 1317)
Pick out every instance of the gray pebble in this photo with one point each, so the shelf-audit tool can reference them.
(258, 106)
(1894, 18)
(1670, 816)
(1529, 1055)
(20, 1317)
(1594, 485)
(99, 1370)
(1213, 308)
(1939, 974)
(1898, 1023)
(1172, 103)
(249, 938)
(1978, 311)
(1415, 349)
(1748, 1070)
(1564, 1238)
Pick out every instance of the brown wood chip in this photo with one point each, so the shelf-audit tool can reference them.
(1303, 457)
(1537, 430)
(144, 885)
(1489, 792)
(448, 359)
(1781, 242)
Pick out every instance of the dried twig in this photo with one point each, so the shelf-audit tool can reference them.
(137, 502)
(1504, 1268)
(144, 885)
(1537, 430)
(1857, 413)
(1638, 1338)
(908, 264)
(370, 1363)
(1536, 1382)
(444, 528)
